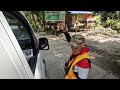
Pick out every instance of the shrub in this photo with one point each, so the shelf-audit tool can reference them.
(115, 25)
(98, 20)
(118, 27)
(107, 23)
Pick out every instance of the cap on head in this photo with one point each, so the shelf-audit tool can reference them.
(78, 38)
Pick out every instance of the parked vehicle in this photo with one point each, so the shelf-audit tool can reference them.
(20, 49)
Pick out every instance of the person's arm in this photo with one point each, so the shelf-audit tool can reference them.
(81, 73)
(76, 74)
(81, 69)
(68, 37)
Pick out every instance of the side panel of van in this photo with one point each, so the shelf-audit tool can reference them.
(11, 65)
(40, 68)
(8, 69)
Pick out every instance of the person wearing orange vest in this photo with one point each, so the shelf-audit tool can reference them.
(79, 63)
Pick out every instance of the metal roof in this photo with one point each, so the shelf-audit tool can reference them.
(80, 12)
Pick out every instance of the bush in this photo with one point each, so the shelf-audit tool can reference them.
(107, 23)
(115, 25)
(98, 20)
(118, 27)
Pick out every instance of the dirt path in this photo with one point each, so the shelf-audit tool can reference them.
(108, 48)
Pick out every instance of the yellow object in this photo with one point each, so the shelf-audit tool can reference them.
(70, 74)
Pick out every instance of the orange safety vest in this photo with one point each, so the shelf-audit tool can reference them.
(72, 63)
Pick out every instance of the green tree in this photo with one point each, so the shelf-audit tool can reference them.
(36, 19)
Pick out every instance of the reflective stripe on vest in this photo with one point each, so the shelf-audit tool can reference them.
(70, 74)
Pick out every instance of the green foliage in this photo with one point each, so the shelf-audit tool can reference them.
(98, 20)
(110, 19)
(115, 25)
(37, 22)
(107, 23)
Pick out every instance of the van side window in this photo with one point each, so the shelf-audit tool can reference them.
(18, 29)
(23, 39)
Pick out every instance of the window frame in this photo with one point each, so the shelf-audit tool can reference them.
(34, 41)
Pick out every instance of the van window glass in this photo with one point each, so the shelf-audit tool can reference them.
(23, 39)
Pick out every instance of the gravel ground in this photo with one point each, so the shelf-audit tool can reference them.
(106, 47)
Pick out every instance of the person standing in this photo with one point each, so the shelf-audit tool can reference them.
(79, 63)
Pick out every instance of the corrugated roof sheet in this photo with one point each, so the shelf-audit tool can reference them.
(80, 12)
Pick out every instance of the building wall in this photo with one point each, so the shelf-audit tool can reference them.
(74, 17)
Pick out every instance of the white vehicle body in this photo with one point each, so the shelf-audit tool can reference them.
(13, 59)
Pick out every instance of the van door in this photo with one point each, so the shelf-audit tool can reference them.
(25, 42)
(11, 66)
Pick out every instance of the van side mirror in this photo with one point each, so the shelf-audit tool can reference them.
(43, 44)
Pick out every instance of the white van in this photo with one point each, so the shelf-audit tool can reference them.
(20, 50)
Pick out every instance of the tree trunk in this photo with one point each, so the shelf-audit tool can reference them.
(110, 21)
(37, 22)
